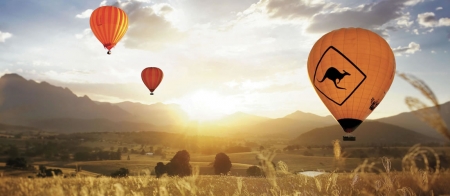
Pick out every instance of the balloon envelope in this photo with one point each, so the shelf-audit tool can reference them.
(109, 24)
(351, 70)
(152, 77)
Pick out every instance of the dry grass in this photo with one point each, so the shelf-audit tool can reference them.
(366, 179)
(430, 115)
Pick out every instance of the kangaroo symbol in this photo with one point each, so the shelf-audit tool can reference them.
(334, 74)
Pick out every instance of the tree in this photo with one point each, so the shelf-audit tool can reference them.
(261, 148)
(222, 164)
(122, 172)
(142, 152)
(128, 158)
(125, 150)
(179, 165)
(18, 162)
(254, 171)
(160, 169)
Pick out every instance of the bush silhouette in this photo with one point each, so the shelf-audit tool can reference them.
(19, 162)
(222, 164)
(160, 169)
(254, 171)
(122, 172)
(179, 164)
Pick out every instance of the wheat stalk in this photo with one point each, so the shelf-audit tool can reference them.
(427, 114)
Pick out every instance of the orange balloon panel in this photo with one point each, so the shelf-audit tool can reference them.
(109, 24)
(152, 77)
(351, 70)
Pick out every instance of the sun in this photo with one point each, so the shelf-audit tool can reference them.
(204, 105)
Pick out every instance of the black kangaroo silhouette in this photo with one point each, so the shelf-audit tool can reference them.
(333, 74)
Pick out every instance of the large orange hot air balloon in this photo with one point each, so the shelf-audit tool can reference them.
(351, 70)
(152, 77)
(109, 24)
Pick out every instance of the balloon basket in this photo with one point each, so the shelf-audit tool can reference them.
(349, 138)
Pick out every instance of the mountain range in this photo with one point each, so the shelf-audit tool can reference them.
(48, 107)
(369, 132)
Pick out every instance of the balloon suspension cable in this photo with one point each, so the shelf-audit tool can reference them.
(109, 52)
(151, 93)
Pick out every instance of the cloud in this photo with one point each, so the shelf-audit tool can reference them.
(86, 14)
(148, 27)
(370, 16)
(410, 49)
(439, 8)
(428, 19)
(291, 9)
(4, 36)
(85, 32)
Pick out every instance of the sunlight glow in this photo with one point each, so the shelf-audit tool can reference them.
(206, 105)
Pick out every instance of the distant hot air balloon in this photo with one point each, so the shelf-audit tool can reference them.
(152, 76)
(351, 70)
(109, 24)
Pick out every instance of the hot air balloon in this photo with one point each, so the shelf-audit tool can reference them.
(109, 24)
(152, 76)
(351, 70)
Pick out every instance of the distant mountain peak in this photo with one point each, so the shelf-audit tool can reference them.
(12, 76)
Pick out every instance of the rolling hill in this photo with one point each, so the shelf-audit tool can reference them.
(16, 128)
(409, 121)
(367, 133)
(287, 127)
(25, 101)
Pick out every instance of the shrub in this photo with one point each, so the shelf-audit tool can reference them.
(19, 162)
(222, 164)
(160, 169)
(122, 172)
(179, 164)
(254, 171)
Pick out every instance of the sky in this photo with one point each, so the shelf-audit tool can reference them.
(220, 57)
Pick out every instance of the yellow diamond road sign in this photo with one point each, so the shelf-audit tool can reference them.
(336, 76)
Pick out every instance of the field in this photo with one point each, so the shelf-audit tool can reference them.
(325, 184)
(354, 178)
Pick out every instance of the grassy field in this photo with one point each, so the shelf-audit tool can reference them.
(326, 184)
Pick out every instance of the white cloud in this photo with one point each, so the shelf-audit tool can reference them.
(103, 3)
(433, 52)
(40, 63)
(86, 14)
(428, 19)
(4, 36)
(439, 8)
(148, 27)
(410, 49)
(416, 31)
(85, 32)
(405, 21)
(376, 16)
(444, 22)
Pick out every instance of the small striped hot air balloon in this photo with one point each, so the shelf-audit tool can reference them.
(152, 77)
(109, 24)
